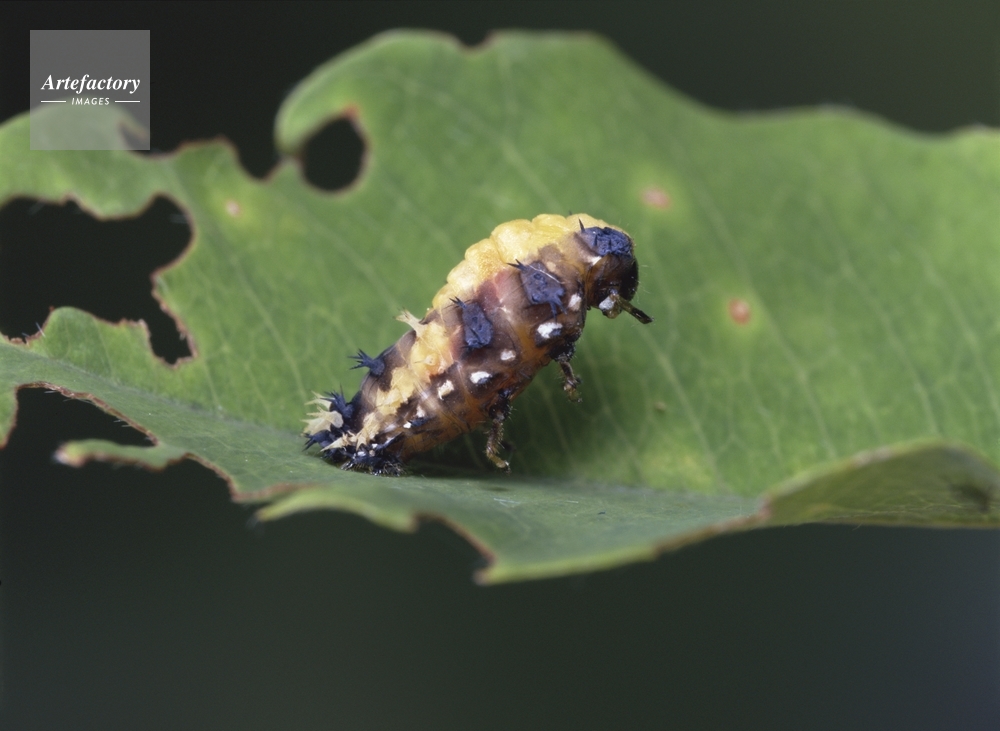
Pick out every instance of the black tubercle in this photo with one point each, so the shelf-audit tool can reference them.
(477, 329)
(326, 437)
(340, 404)
(604, 241)
(322, 438)
(541, 286)
(376, 366)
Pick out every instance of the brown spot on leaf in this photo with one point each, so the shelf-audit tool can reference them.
(739, 310)
(656, 197)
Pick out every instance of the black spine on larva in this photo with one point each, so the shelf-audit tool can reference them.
(541, 286)
(477, 330)
(376, 366)
(346, 409)
(339, 404)
(604, 241)
(323, 438)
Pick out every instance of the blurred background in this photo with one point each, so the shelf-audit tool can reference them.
(138, 600)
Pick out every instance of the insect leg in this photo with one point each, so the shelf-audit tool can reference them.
(494, 442)
(570, 379)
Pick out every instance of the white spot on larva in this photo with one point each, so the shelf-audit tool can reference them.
(507, 356)
(480, 377)
(547, 329)
(574, 302)
(445, 388)
(607, 304)
(420, 413)
(407, 425)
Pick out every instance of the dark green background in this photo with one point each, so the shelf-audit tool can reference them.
(131, 600)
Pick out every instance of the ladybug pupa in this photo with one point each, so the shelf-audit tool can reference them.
(517, 301)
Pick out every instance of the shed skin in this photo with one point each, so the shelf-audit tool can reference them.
(435, 387)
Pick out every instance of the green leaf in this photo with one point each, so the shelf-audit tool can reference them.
(824, 286)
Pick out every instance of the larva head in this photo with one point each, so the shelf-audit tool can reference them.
(612, 280)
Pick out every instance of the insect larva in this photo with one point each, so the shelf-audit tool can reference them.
(517, 301)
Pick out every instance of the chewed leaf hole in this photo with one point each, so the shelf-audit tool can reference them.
(58, 255)
(50, 417)
(334, 156)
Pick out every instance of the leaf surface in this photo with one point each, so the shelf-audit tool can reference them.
(824, 286)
